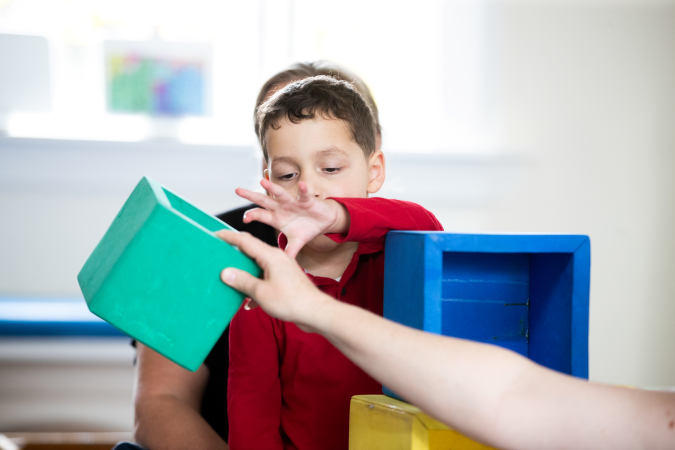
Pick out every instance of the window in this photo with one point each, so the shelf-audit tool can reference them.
(426, 64)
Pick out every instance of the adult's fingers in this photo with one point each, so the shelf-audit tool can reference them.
(280, 194)
(255, 248)
(240, 280)
(257, 198)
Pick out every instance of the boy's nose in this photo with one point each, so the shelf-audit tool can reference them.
(312, 192)
(313, 188)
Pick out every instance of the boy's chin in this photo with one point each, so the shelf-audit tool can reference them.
(322, 244)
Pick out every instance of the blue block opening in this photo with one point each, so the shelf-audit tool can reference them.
(551, 311)
(519, 301)
(485, 297)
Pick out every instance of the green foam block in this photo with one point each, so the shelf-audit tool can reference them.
(155, 275)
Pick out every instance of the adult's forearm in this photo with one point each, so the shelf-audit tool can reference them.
(492, 394)
(164, 422)
(423, 368)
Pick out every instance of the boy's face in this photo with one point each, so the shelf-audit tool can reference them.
(322, 153)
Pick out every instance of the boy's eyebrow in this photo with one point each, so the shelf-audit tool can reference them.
(283, 159)
(332, 150)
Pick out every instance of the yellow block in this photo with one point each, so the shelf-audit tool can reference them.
(380, 422)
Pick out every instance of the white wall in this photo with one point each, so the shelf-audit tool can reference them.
(586, 94)
(589, 89)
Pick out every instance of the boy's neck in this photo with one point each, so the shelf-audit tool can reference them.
(330, 264)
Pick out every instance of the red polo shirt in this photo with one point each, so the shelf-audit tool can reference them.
(291, 390)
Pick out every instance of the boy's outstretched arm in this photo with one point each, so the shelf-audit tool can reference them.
(372, 218)
(301, 219)
(486, 392)
(365, 220)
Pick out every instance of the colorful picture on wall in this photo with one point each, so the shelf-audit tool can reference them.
(155, 80)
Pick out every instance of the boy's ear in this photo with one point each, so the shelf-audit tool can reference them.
(376, 172)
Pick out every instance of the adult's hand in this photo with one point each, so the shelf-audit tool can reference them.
(285, 292)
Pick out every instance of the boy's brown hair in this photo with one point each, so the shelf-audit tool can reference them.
(320, 95)
(301, 70)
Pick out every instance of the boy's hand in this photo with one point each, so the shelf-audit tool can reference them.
(300, 219)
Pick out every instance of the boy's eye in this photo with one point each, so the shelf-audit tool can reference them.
(286, 177)
(332, 169)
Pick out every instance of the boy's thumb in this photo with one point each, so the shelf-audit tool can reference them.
(293, 247)
(239, 280)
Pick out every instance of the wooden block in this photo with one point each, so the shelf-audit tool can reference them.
(155, 275)
(380, 422)
(527, 293)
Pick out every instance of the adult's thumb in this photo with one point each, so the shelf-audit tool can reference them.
(240, 280)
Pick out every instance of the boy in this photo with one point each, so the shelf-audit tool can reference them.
(287, 388)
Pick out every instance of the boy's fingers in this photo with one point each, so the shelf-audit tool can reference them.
(240, 280)
(257, 198)
(259, 215)
(304, 192)
(280, 194)
(293, 247)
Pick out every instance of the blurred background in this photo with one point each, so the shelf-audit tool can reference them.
(549, 116)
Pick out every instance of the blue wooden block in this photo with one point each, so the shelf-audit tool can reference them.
(527, 293)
